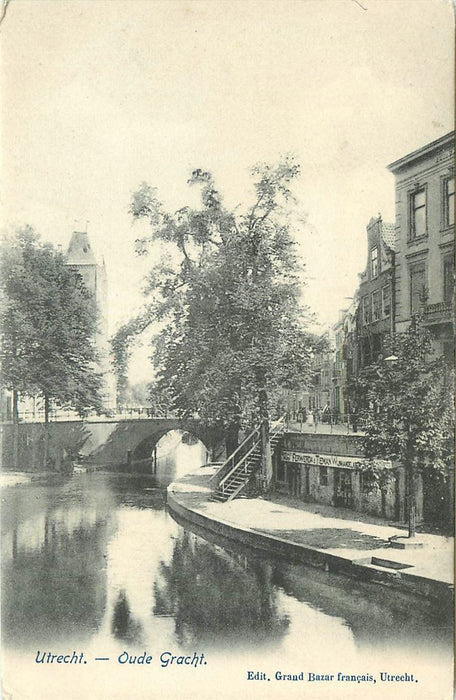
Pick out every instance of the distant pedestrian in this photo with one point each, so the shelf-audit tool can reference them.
(316, 417)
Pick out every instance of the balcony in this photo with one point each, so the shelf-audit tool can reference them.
(438, 313)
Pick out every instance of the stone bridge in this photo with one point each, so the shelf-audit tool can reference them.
(110, 443)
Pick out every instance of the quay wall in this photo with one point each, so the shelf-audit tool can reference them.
(191, 519)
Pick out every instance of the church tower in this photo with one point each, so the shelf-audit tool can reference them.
(81, 258)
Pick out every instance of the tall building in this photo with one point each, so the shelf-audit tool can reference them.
(376, 292)
(322, 372)
(424, 276)
(80, 257)
(339, 374)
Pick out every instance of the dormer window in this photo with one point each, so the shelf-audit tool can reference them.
(374, 262)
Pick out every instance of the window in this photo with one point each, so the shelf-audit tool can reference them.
(374, 262)
(448, 201)
(375, 305)
(448, 279)
(386, 301)
(365, 311)
(418, 214)
(323, 476)
(418, 288)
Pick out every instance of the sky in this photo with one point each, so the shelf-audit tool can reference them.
(100, 95)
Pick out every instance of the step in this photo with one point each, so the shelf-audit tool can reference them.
(232, 486)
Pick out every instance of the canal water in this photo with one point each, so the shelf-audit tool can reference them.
(94, 563)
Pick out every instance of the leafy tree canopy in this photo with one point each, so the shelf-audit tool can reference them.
(227, 293)
(48, 325)
(407, 399)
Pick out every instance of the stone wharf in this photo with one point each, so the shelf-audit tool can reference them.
(332, 460)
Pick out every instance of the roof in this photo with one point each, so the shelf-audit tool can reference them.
(387, 231)
(389, 234)
(79, 250)
(440, 143)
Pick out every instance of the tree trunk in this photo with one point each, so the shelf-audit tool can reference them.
(450, 515)
(231, 437)
(266, 458)
(15, 410)
(46, 431)
(411, 497)
(383, 498)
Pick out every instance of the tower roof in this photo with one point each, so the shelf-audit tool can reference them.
(79, 250)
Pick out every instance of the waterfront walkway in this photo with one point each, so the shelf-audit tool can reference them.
(354, 544)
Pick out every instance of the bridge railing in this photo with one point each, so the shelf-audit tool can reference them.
(124, 413)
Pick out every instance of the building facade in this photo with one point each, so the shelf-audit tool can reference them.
(424, 274)
(375, 318)
(322, 374)
(339, 373)
(409, 269)
(331, 470)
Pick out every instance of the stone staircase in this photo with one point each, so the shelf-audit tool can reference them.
(236, 471)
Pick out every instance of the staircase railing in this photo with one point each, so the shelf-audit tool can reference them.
(239, 456)
(234, 458)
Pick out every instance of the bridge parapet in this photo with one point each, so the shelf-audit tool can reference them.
(108, 443)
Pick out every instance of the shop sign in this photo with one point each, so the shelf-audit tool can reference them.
(333, 460)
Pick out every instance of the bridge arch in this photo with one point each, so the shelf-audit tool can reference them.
(146, 447)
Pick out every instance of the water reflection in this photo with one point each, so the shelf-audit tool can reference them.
(55, 582)
(376, 616)
(96, 558)
(211, 596)
(124, 626)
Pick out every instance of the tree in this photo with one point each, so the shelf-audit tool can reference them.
(121, 349)
(227, 294)
(408, 410)
(49, 321)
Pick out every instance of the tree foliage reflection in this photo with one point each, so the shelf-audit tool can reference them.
(212, 593)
